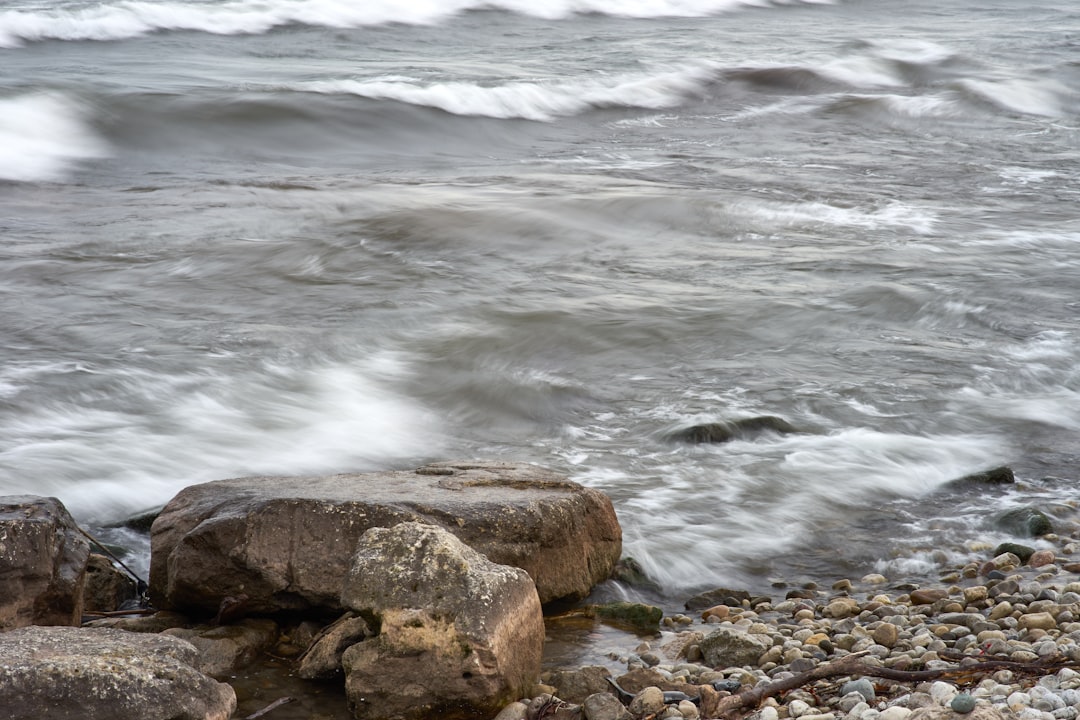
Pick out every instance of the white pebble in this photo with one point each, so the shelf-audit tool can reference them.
(894, 713)
(1018, 701)
(769, 713)
(798, 708)
(942, 693)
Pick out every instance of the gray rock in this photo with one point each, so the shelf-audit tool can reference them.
(647, 702)
(863, 686)
(227, 648)
(728, 647)
(459, 636)
(66, 673)
(575, 686)
(604, 706)
(963, 703)
(286, 542)
(43, 558)
(322, 660)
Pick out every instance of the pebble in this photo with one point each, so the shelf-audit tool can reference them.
(963, 703)
(1026, 613)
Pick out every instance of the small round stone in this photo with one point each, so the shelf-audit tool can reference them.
(963, 703)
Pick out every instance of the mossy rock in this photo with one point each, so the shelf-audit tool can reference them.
(628, 571)
(638, 615)
(1025, 522)
(1021, 551)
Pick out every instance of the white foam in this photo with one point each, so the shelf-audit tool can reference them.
(707, 513)
(106, 464)
(1024, 96)
(894, 214)
(122, 19)
(540, 101)
(42, 136)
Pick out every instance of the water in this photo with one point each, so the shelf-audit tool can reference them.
(304, 237)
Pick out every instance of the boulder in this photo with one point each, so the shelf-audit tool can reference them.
(458, 636)
(43, 558)
(66, 673)
(286, 543)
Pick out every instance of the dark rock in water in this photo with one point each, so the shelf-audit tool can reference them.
(1025, 522)
(107, 587)
(141, 522)
(719, 596)
(997, 476)
(719, 432)
(638, 615)
(629, 572)
(1021, 551)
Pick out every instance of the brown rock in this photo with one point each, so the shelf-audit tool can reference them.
(841, 608)
(1039, 558)
(322, 659)
(1038, 620)
(107, 587)
(885, 634)
(459, 636)
(43, 559)
(716, 611)
(286, 542)
(927, 596)
(575, 686)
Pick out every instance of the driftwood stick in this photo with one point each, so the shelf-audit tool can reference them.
(269, 708)
(726, 707)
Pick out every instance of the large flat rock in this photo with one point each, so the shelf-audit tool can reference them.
(67, 673)
(286, 543)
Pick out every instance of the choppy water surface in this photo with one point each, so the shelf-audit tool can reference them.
(291, 237)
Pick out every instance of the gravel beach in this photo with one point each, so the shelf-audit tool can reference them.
(996, 638)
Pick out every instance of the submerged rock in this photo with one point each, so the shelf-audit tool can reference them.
(719, 432)
(718, 596)
(637, 615)
(286, 543)
(1025, 522)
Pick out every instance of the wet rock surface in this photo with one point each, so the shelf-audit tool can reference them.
(286, 543)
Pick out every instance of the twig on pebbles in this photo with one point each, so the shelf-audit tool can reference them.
(726, 708)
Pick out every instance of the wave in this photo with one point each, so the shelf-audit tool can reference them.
(124, 19)
(531, 100)
(43, 135)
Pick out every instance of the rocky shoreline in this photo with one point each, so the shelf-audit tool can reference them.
(996, 639)
(389, 605)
